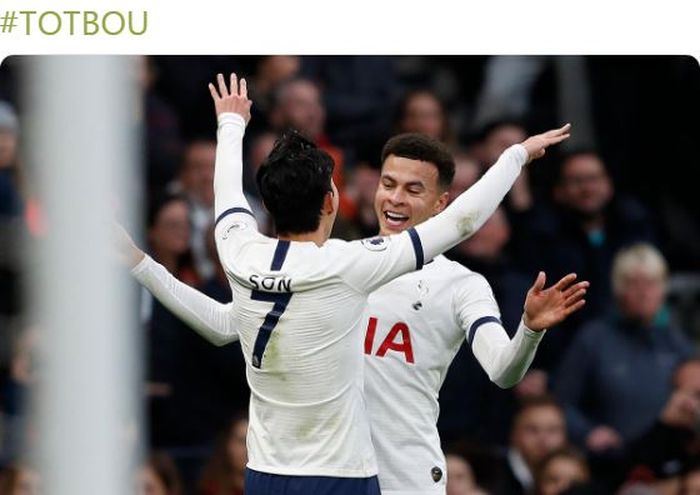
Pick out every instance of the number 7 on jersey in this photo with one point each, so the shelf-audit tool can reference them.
(280, 300)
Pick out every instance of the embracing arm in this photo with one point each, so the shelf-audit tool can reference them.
(210, 318)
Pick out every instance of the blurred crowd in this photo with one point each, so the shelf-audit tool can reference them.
(612, 401)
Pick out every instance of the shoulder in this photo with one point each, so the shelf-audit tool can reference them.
(459, 276)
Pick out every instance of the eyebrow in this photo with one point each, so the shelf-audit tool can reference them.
(408, 184)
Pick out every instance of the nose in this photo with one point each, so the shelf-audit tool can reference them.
(397, 196)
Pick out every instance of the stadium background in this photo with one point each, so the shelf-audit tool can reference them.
(638, 113)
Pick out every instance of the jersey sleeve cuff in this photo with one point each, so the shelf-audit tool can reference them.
(520, 153)
(231, 118)
(529, 333)
(141, 267)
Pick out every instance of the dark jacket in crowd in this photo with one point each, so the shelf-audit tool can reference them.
(618, 373)
(552, 239)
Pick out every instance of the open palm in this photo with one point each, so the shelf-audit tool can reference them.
(545, 308)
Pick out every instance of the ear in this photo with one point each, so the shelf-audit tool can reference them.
(328, 203)
(441, 203)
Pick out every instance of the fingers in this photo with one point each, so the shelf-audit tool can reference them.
(565, 282)
(539, 282)
(234, 84)
(214, 93)
(557, 139)
(574, 298)
(244, 88)
(574, 307)
(558, 132)
(223, 90)
(575, 288)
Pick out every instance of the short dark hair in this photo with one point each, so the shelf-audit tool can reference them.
(490, 127)
(535, 402)
(569, 155)
(293, 182)
(416, 146)
(159, 201)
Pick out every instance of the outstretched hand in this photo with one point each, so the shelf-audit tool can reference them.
(545, 308)
(536, 145)
(232, 99)
(127, 252)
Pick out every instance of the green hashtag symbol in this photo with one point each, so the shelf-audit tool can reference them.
(9, 21)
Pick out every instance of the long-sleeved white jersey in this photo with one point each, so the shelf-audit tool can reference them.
(416, 324)
(300, 315)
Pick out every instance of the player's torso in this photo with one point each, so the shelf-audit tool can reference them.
(299, 331)
(411, 336)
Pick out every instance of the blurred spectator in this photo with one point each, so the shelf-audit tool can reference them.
(19, 479)
(15, 396)
(581, 234)
(361, 188)
(493, 140)
(466, 386)
(539, 428)
(422, 111)
(298, 104)
(359, 107)
(169, 233)
(560, 470)
(162, 128)
(270, 71)
(159, 476)
(616, 375)
(208, 384)
(484, 253)
(690, 484)
(460, 477)
(467, 172)
(260, 148)
(196, 183)
(672, 443)
(225, 471)
(11, 230)
(10, 198)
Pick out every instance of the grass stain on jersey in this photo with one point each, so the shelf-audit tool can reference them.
(466, 225)
(271, 357)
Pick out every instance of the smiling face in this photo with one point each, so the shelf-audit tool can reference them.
(409, 193)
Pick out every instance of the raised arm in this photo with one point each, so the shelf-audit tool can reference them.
(392, 256)
(472, 208)
(233, 114)
(507, 360)
(210, 318)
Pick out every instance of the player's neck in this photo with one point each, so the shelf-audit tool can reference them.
(317, 237)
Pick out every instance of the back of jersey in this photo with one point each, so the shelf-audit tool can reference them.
(299, 330)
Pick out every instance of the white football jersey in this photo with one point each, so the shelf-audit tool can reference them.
(300, 313)
(416, 325)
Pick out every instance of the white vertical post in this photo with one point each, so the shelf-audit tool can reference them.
(81, 124)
